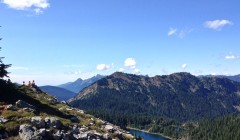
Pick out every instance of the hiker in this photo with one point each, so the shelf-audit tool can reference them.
(33, 83)
(29, 84)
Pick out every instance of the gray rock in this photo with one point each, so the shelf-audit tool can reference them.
(106, 136)
(53, 122)
(38, 122)
(23, 104)
(75, 129)
(66, 136)
(94, 135)
(81, 136)
(41, 132)
(83, 129)
(74, 119)
(3, 120)
(26, 132)
(10, 107)
(57, 135)
(109, 128)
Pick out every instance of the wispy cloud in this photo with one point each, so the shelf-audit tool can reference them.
(217, 24)
(232, 57)
(73, 73)
(36, 5)
(184, 66)
(179, 33)
(172, 31)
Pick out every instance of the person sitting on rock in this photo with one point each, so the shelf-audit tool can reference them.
(33, 83)
(29, 84)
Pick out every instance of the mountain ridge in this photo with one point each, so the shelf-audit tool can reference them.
(61, 94)
(216, 96)
(79, 84)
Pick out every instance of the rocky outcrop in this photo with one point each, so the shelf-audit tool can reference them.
(25, 105)
(27, 132)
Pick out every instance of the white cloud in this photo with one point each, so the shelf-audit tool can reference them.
(136, 71)
(184, 66)
(232, 57)
(37, 5)
(172, 31)
(121, 70)
(130, 62)
(217, 24)
(102, 67)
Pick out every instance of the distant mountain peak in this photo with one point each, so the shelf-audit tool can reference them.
(79, 84)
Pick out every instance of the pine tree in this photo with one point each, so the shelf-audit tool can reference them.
(3, 67)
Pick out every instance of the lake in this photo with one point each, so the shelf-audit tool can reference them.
(147, 136)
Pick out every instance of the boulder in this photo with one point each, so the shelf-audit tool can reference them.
(94, 135)
(53, 122)
(27, 132)
(109, 128)
(81, 136)
(57, 135)
(66, 136)
(75, 129)
(3, 120)
(107, 136)
(41, 132)
(10, 107)
(23, 104)
(74, 119)
(38, 122)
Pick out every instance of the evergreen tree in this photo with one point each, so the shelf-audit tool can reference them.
(3, 67)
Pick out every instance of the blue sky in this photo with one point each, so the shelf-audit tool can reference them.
(54, 42)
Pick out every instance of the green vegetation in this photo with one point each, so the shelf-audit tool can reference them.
(158, 125)
(159, 104)
(221, 128)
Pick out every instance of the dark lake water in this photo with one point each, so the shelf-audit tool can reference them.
(147, 136)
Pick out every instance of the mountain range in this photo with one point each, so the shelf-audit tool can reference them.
(234, 77)
(179, 96)
(69, 90)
